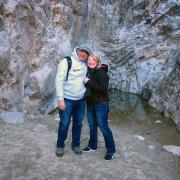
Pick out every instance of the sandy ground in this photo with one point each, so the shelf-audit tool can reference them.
(27, 151)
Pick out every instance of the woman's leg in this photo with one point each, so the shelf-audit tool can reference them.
(102, 111)
(92, 127)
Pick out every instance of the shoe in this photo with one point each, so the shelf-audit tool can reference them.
(88, 149)
(60, 152)
(77, 150)
(109, 157)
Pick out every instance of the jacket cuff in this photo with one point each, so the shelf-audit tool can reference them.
(60, 98)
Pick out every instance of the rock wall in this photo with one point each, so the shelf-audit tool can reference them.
(137, 38)
(166, 96)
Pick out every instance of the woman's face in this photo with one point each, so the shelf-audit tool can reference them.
(91, 62)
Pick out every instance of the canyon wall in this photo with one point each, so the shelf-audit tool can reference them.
(138, 39)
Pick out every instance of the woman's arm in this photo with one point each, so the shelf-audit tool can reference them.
(102, 82)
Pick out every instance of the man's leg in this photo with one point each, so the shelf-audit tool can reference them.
(65, 118)
(78, 115)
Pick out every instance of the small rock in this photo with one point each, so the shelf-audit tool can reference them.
(173, 149)
(125, 156)
(139, 137)
(57, 118)
(12, 117)
(151, 147)
(158, 121)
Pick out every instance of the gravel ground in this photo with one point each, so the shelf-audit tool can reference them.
(27, 151)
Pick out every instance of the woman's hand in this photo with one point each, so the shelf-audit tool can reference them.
(86, 80)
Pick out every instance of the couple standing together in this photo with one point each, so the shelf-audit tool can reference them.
(85, 83)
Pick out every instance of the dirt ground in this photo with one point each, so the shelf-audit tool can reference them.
(27, 151)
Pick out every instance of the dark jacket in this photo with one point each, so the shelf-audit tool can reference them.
(97, 86)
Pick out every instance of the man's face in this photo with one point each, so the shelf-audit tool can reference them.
(82, 54)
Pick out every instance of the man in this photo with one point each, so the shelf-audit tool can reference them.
(71, 101)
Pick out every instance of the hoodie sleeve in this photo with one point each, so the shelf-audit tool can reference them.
(101, 85)
(60, 79)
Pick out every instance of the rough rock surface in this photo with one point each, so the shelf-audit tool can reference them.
(136, 38)
(12, 117)
(166, 96)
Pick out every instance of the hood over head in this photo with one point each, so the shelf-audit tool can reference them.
(85, 47)
(104, 66)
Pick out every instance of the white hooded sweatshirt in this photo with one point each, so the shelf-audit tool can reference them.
(73, 88)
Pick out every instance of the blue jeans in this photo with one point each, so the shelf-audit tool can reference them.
(76, 110)
(98, 116)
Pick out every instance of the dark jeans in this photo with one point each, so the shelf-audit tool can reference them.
(98, 116)
(76, 110)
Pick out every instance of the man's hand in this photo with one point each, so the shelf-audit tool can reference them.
(62, 105)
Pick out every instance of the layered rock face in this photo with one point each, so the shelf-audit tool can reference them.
(166, 96)
(138, 39)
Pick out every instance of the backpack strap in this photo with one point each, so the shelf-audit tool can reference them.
(69, 61)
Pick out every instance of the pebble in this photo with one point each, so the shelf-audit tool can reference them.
(158, 121)
(139, 137)
(173, 149)
(151, 147)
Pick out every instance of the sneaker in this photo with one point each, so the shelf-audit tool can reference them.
(88, 149)
(109, 157)
(60, 152)
(77, 150)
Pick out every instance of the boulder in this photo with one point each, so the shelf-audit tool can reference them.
(12, 117)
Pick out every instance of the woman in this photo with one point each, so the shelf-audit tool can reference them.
(97, 101)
